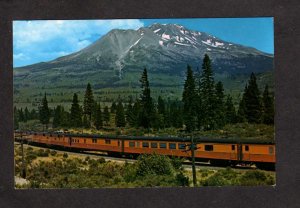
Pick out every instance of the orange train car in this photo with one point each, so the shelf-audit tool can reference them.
(224, 151)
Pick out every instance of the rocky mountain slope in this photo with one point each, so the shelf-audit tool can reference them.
(118, 58)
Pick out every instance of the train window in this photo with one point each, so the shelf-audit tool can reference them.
(162, 145)
(145, 144)
(181, 146)
(118, 142)
(233, 147)
(84, 141)
(107, 141)
(131, 144)
(209, 147)
(172, 145)
(94, 140)
(153, 145)
(246, 148)
(137, 144)
(271, 150)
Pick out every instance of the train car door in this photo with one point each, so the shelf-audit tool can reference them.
(122, 146)
(234, 152)
(246, 152)
(240, 152)
(70, 141)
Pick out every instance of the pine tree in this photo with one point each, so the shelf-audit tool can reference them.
(161, 111)
(199, 111)
(168, 114)
(33, 114)
(98, 119)
(65, 118)
(189, 100)
(57, 117)
(21, 115)
(130, 118)
(176, 116)
(44, 112)
(161, 108)
(147, 108)
(208, 95)
(241, 114)
(113, 107)
(26, 115)
(134, 117)
(220, 105)
(75, 113)
(106, 115)
(253, 101)
(86, 124)
(88, 102)
(230, 114)
(120, 116)
(268, 107)
(16, 120)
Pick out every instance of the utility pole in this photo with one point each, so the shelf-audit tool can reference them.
(23, 173)
(193, 147)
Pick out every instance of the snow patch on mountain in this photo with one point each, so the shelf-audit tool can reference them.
(155, 31)
(181, 44)
(218, 44)
(165, 36)
(207, 42)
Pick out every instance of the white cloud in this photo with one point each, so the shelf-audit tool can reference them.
(34, 38)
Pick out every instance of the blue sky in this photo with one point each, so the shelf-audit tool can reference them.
(45, 40)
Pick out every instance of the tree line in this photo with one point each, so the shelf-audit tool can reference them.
(204, 106)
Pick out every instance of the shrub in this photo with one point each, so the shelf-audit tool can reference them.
(101, 160)
(129, 172)
(29, 148)
(154, 164)
(214, 180)
(30, 157)
(228, 173)
(253, 178)
(42, 153)
(87, 158)
(53, 153)
(65, 155)
(182, 180)
(177, 163)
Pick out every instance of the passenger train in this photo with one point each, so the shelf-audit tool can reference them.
(219, 151)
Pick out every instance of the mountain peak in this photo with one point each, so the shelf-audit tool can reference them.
(166, 48)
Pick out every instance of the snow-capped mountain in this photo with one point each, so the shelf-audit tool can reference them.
(161, 48)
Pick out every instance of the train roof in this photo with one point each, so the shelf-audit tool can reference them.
(197, 139)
